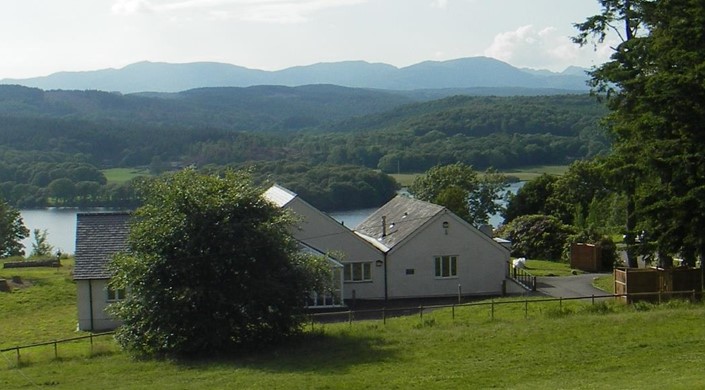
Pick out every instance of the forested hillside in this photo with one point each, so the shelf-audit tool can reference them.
(310, 126)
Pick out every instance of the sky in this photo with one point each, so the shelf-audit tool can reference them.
(40, 37)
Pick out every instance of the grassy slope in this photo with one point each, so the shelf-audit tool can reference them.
(121, 175)
(576, 346)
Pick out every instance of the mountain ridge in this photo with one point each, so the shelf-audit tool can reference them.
(469, 72)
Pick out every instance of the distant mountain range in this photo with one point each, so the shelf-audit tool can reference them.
(478, 73)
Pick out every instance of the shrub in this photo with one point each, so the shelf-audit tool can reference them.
(537, 236)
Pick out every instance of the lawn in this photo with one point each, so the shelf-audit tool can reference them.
(121, 175)
(549, 268)
(513, 344)
(605, 283)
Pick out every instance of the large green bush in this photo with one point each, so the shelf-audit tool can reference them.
(537, 236)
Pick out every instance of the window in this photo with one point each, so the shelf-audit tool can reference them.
(358, 272)
(446, 266)
(116, 295)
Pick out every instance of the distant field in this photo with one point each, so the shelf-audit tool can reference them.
(121, 175)
(528, 173)
(523, 174)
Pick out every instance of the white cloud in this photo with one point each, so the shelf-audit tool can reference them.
(442, 4)
(270, 11)
(129, 7)
(544, 48)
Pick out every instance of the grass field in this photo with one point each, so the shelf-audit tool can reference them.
(528, 173)
(524, 174)
(121, 175)
(572, 345)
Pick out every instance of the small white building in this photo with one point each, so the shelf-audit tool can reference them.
(98, 237)
(430, 252)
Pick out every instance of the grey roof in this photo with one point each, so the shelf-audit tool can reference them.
(404, 216)
(98, 237)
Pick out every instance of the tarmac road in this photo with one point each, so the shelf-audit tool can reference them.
(574, 286)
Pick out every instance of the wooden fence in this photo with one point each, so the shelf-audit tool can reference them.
(634, 284)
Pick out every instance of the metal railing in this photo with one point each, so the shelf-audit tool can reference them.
(523, 277)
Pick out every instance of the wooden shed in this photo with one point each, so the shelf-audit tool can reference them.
(586, 257)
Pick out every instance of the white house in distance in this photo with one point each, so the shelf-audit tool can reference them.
(98, 237)
(430, 252)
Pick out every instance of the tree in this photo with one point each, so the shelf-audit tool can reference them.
(12, 231)
(531, 198)
(40, 245)
(537, 236)
(657, 100)
(446, 184)
(211, 268)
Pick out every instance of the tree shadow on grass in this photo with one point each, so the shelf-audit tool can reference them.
(311, 352)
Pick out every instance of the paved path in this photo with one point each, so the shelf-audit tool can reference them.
(568, 286)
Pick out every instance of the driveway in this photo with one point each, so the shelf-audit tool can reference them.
(573, 286)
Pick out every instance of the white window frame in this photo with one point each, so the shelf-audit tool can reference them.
(113, 295)
(357, 272)
(445, 266)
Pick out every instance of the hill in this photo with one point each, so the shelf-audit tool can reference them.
(473, 72)
(255, 108)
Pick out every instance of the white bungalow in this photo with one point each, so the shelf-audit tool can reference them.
(430, 252)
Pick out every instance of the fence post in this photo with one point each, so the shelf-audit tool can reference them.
(350, 316)
(453, 310)
(421, 313)
(56, 350)
(91, 338)
(526, 308)
(384, 316)
(18, 356)
(593, 299)
(533, 287)
(560, 303)
(492, 309)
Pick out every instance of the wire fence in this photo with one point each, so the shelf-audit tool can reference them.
(384, 314)
(55, 343)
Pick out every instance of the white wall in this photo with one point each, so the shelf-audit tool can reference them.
(98, 295)
(328, 235)
(481, 263)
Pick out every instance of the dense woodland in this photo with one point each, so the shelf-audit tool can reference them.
(319, 140)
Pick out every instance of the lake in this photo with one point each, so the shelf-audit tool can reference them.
(60, 223)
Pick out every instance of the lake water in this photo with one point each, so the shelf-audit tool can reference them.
(60, 223)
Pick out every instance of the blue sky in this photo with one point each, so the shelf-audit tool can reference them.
(39, 37)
